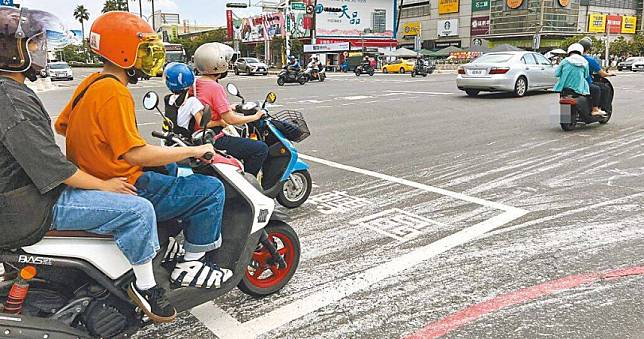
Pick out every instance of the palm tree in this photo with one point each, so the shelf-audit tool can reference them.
(115, 5)
(81, 14)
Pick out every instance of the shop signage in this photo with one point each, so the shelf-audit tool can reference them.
(298, 6)
(629, 24)
(448, 6)
(477, 42)
(564, 3)
(480, 25)
(7, 3)
(514, 4)
(443, 44)
(336, 47)
(448, 27)
(480, 5)
(229, 23)
(596, 23)
(614, 24)
(350, 19)
(411, 28)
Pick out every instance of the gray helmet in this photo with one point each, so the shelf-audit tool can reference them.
(213, 58)
(25, 36)
(587, 43)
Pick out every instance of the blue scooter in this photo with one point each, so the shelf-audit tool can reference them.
(284, 175)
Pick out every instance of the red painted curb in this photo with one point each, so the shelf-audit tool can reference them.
(471, 313)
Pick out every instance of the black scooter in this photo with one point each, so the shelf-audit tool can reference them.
(576, 109)
(287, 76)
(422, 70)
(364, 68)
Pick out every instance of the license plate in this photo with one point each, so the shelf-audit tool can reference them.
(476, 72)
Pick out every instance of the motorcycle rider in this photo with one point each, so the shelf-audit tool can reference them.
(314, 66)
(598, 91)
(211, 59)
(572, 73)
(102, 138)
(179, 78)
(35, 171)
(293, 65)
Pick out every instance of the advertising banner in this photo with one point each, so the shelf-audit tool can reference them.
(447, 6)
(514, 4)
(448, 27)
(480, 5)
(295, 23)
(411, 28)
(596, 23)
(341, 18)
(337, 47)
(229, 23)
(262, 27)
(480, 25)
(629, 24)
(614, 24)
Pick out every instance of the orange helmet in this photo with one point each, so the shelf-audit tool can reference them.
(127, 41)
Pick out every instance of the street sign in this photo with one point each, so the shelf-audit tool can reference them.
(298, 6)
(536, 42)
(236, 5)
(7, 3)
(417, 44)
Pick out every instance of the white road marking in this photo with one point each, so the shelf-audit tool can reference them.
(357, 97)
(225, 326)
(413, 92)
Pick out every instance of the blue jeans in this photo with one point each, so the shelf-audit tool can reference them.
(253, 152)
(197, 200)
(128, 218)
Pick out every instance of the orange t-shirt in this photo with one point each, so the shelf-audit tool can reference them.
(101, 129)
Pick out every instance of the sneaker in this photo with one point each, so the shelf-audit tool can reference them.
(199, 273)
(175, 250)
(598, 113)
(153, 303)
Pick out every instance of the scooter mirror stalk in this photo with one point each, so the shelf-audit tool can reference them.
(150, 100)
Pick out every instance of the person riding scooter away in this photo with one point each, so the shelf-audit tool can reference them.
(314, 66)
(572, 74)
(595, 69)
(102, 138)
(32, 163)
(212, 61)
(293, 65)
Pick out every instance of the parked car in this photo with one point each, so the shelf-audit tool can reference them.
(59, 71)
(250, 66)
(627, 65)
(638, 66)
(399, 66)
(516, 72)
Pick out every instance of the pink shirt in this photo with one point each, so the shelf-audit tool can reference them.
(213, 94)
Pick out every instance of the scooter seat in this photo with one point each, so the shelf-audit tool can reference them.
(76, 234)
(568, 101)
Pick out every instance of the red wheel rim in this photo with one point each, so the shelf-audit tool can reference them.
(263, 275)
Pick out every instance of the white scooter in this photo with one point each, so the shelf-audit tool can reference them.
(79, 290)
(315, 72)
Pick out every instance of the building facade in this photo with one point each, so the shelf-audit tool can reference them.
(463, 23)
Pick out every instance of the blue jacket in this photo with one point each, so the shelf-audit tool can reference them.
(593, 66)
(572, 73)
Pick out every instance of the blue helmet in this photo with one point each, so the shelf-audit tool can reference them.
(178, 77)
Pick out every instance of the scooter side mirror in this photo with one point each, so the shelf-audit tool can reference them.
(232, 89)
(150, 100)
(271, 98)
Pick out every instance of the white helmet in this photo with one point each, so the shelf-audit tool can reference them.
(576, 47)
(213, 58)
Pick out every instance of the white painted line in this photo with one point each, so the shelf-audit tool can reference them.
(220, 322)
(336, 291)
(414, 184)
(357, 97)
(412, 92)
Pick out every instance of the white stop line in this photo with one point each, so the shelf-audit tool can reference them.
(225, 326)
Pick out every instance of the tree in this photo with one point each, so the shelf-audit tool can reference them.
(115, 5)
(81, 14)
(620, 47)
(191, 44)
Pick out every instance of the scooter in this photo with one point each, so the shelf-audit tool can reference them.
(364, 69)
(422, 70)
(315, 72)
(79, 289)
(288, 77)
(575, 109)
(284, 175)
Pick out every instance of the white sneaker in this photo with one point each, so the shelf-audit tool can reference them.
(174, 250)
(199, 273)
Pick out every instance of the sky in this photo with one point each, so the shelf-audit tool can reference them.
(204, 12)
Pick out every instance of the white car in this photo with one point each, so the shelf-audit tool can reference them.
(59, 71)
(516, 72)
(638, 66)
(250, 66)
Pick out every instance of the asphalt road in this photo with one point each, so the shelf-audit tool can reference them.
(438, 214)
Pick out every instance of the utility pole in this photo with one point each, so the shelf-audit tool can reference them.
(607, 56)
(154, 27)
(140, 9)
(287, 34)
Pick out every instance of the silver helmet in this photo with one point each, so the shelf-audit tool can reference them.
(213, 58)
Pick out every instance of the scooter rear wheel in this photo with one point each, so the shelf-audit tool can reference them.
(280, 82)
(289, 197)
(262, 276)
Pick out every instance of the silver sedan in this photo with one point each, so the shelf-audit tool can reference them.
(516, 72)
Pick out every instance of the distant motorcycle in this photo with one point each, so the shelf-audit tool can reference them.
(364, 69)
(422, 70)
(314, 72)
(576, 109)
(287, 76)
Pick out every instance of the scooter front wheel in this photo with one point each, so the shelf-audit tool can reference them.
(263, 275)
(296, 190)
(280, 81)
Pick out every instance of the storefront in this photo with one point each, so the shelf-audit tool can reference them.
(330, 54)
